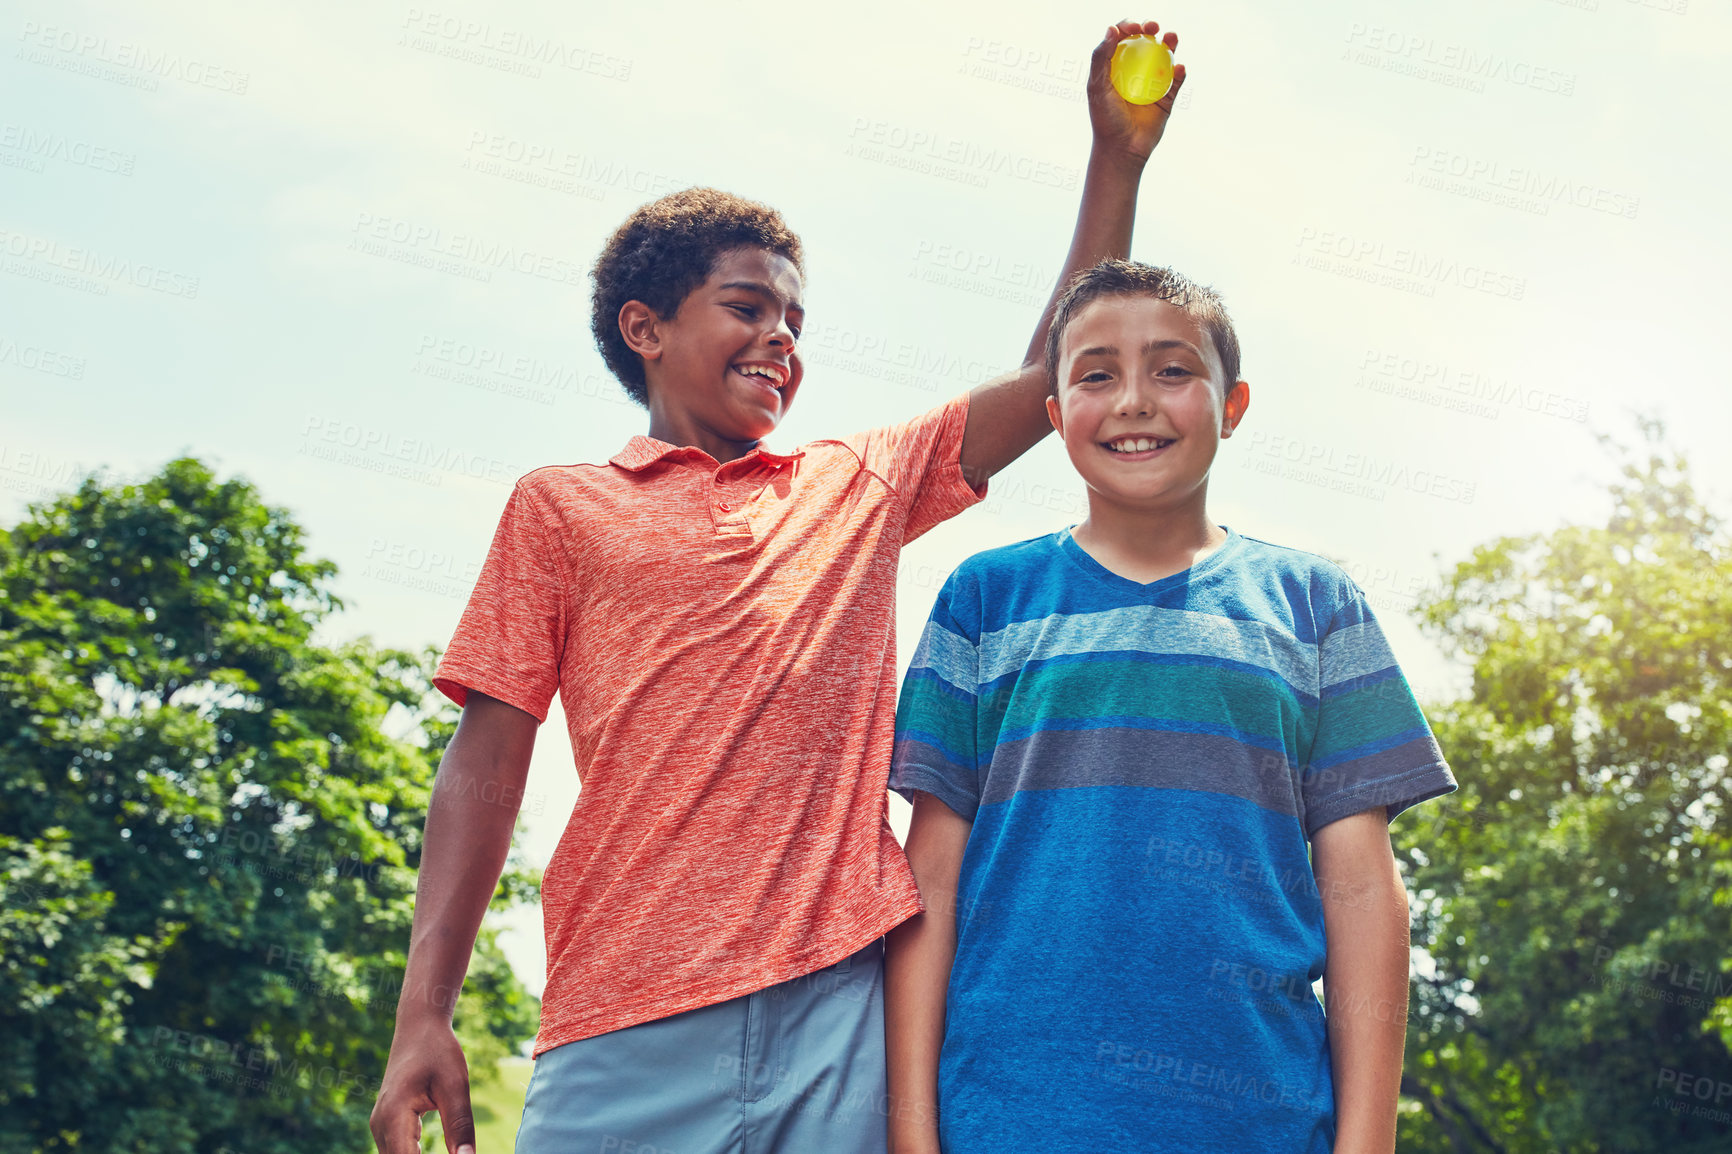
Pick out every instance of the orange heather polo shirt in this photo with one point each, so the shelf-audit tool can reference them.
(724, 641)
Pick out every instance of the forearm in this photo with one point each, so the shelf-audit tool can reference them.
(464, 848)
(1105, 218)
(918, 957)
(917, 960)
(1365, 998)
(1007, 416)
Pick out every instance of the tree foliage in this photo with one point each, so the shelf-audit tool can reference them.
(1576, 895)
(209, 831)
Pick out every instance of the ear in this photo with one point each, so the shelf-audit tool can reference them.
(1238, 399)
(1055, 415)
(641, 328)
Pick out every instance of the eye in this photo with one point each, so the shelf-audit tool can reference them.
(1094, 376)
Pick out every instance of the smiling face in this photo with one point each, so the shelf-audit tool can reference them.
(1141, 403)
(722, 368)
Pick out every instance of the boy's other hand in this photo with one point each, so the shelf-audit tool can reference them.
(1119, 125)
(426, 1071)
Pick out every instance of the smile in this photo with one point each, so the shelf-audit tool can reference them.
(763, 373)
(1137, 448)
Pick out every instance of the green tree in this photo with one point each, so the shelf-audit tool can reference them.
(1576, 895)
(209, 832)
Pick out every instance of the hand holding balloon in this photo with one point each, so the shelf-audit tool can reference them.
(1132, 86)
(1142, 69)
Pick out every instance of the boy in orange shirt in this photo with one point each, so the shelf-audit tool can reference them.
(719, 622)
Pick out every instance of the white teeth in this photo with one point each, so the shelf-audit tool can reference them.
(774, 377)
(1133, 445)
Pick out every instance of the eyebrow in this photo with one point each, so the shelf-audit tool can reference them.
(1148, 347)
(762, 289)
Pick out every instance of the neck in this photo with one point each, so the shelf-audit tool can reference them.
(681, 428)
(1146, 543)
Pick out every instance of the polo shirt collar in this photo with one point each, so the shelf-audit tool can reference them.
(641, 452)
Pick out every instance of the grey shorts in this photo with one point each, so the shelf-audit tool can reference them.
(797, 1068)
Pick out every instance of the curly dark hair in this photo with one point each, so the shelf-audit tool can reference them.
(666, 249)
(1128, 278)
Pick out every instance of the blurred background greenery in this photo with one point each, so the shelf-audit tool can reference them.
(209, 833)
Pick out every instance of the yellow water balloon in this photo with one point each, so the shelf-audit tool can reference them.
(1142, 69)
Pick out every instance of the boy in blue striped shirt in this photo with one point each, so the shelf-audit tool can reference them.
(1153, 764)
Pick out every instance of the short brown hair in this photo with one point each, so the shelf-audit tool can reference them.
(1128, 278)
(666, 249)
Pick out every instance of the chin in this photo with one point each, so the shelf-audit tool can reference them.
(756, 429)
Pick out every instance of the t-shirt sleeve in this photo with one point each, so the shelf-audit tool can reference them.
(511, 636)
(935, 715)
(921, 460)
(1372, 745)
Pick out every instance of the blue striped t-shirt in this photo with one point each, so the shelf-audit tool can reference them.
(1138, 924)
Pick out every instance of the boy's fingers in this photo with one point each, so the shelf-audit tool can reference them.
(1178, 83)
(1103, 53)
(455, 1118)
(398, 1133)
(1152, 29)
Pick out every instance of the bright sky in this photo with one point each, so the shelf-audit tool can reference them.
(342, 249)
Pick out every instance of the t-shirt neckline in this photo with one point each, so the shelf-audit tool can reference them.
(1082, 560)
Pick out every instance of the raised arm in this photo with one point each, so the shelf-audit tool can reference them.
(917, 960)
(1365, 924)
(464, 850)
(1007, 415)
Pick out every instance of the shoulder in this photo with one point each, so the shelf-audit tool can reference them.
(1009, 563)
(1287, 559)
(553, 485)
(985, 577)
(997, 586)
(1308, 581)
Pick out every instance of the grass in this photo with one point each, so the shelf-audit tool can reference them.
(498, 1106)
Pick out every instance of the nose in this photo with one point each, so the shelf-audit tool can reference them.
(783, 335)
(1136, 398)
